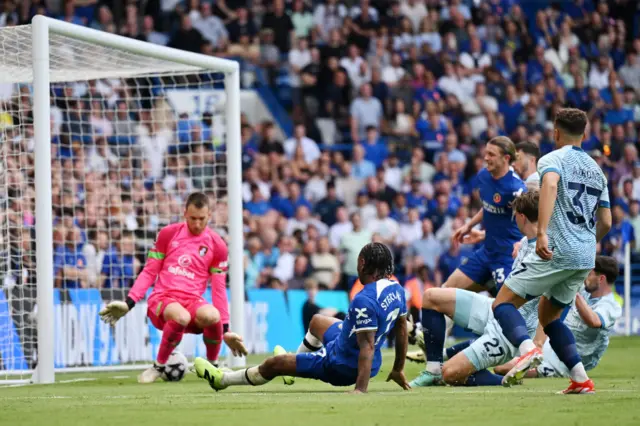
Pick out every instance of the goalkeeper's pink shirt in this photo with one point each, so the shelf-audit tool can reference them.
(180, 264)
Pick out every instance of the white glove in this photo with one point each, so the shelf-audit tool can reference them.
(234, 342)
(114, 311)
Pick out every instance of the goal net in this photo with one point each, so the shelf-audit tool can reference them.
(99, 149)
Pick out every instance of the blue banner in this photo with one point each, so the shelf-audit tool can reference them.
(272, 317)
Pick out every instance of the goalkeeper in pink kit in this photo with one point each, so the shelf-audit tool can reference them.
(185, 256)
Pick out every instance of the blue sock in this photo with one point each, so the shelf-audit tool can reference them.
(563, 343)
(455, 349)
(484, 378)
(513, 325)
(434, 328)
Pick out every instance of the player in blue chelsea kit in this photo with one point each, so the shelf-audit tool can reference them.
(498, 188)
(342, 353)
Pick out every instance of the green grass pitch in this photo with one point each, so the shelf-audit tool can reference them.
(116, 399)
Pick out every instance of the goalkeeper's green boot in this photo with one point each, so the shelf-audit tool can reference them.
(205, 370)
(279, 350)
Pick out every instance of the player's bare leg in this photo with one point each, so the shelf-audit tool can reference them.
(459, 280)
(459, 371)
(208, 320)
(563, 344)
(176, 320)
(272, 367)
(317, 327)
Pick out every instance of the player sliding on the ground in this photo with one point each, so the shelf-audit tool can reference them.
(498, 186)
(473, 312)
(351, 353)
(184, 258)
(590, 319)
(574, 214)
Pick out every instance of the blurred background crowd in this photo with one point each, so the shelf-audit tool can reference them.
(391, 104)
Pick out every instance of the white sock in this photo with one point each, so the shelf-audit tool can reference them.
(310, 344)
(248, 376)
(444, 355)
(578, 374)
(526, 346)
(434, 367)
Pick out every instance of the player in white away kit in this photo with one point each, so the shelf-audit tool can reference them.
(526, 164)
(590, 319)
(469, 361)
(574, 214)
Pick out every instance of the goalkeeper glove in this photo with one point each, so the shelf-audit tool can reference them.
(116, 310)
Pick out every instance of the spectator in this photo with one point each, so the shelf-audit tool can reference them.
(310, 308)
(621, 234)
(327, 208)
(362, 168)
(350, 245)
(285, 263)
(241, 27)
(599, 74)
(69, 261)
(120, 266)
(328, 17)
(187, 37)
(94, 252)
(375, 149)
(409, 230)
(630, 72)
(211, 27)
(258, 206)
(300, 139)
(280, 23)
(253, 263)
(415, 10)
(325, 266)
(424, 250)
(341, 227)
(365, 111)
(300, 273)
(384, 225)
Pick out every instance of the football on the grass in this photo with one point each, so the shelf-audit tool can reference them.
(176, 367)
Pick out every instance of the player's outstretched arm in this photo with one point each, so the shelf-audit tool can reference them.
(397, 373)
(590, 318)
(155, 259)
(365, 359)
(458, 236)
(603, 224)
(548, 196)
(540, 336)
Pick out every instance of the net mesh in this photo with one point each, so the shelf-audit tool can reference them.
(131, 137)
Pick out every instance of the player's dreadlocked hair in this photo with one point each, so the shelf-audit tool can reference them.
(378, 261)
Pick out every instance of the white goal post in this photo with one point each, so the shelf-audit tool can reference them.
(40, 62)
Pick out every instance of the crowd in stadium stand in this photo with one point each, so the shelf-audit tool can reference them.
(393, 102)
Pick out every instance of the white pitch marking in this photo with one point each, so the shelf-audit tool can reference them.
(81, 379)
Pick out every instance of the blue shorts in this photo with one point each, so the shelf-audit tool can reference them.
(484, 268)
(321, 365)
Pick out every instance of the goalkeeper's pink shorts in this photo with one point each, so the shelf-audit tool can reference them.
(157, 303)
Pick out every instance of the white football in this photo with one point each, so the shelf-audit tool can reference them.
(176, 367)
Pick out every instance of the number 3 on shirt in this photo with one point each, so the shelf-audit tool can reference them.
(579, 219)
(498, 275)
(393, 315)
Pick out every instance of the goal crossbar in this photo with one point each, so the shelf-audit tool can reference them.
(41, 28)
